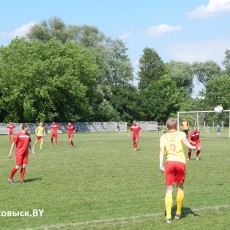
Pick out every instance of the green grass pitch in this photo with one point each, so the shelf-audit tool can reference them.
(103, 184)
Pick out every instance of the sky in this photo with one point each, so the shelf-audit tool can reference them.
(179, 30)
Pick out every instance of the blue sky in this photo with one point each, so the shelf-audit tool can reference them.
(179, 30)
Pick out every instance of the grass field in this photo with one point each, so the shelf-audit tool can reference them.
(103, 184)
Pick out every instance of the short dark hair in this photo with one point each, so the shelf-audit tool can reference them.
(24, 125)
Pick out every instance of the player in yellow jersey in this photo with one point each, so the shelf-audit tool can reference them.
(40, 132)
(175, 169)
(185, 127)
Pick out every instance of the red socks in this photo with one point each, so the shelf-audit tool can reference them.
(14, 170)
(23, 170)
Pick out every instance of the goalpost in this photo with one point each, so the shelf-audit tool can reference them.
(205, 119)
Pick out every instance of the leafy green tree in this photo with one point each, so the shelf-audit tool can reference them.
(226, 62)
(182, 74)
(152, 68)
(128, 102)
(162, 99)
(46, 81)
(54, 28)
(218, 92)
(206, 70)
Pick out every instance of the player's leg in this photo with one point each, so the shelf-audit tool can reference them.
(180, 172)
(56, 139)
(168, 203)
(70, 139)
(41, 142)
(51, 139)
(197, 151)
(189, 154)
(37, 139)
(22, 174)
(169, 178)
(19, 162)
(23, 169)
(179, 200)
(135, 142)
(71, 142)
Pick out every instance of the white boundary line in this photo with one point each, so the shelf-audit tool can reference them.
(122, 219)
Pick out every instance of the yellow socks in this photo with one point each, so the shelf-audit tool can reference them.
(179, 201)
(35, 143)
(41, 144)
(168, 205)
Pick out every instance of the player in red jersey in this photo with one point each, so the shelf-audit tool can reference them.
(136, 129)
(194, 139)
(70, 130)
(11, 128)
(54, 134)
(22, 142)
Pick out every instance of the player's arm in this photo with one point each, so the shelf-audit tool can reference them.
(162, 168)
(36, 131)
(188, 144)
(31, 148)
(11, 149)
(189, 139)
(140, 133)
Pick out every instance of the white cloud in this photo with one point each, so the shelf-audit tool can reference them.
(154, 31)
(125, 36)
(20, 32)
(214, 7)
(199, 51)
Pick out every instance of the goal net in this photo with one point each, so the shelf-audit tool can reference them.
(207, 122)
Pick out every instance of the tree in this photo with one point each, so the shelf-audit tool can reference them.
(151, 68)
(54, 28)
(162, 99)
(46, 81)
(181, 73)
(127, 101)
(226, 62)
(218, 92)
(206, 71)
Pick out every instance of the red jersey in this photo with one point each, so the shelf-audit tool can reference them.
(54, 128)
(135, 129)
(194, 136)
(70, 129)
(11, 128)
(22, 142)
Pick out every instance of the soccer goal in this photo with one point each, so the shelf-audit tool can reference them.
(207, 121)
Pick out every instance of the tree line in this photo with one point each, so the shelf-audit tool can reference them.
(62, 72)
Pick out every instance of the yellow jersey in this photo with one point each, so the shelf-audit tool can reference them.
(171, 142)
(184, 125)
(40, 131)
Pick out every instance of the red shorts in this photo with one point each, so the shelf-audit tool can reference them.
(174, 172)
(54, 135)
(11, 133)
(71, 135)
(40, 138)
(135, 137)
(197, 144)
(20, 160)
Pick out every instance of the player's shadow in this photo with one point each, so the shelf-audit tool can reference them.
(185, 212)
(32, 179)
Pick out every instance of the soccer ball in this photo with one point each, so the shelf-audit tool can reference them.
(218, 109)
